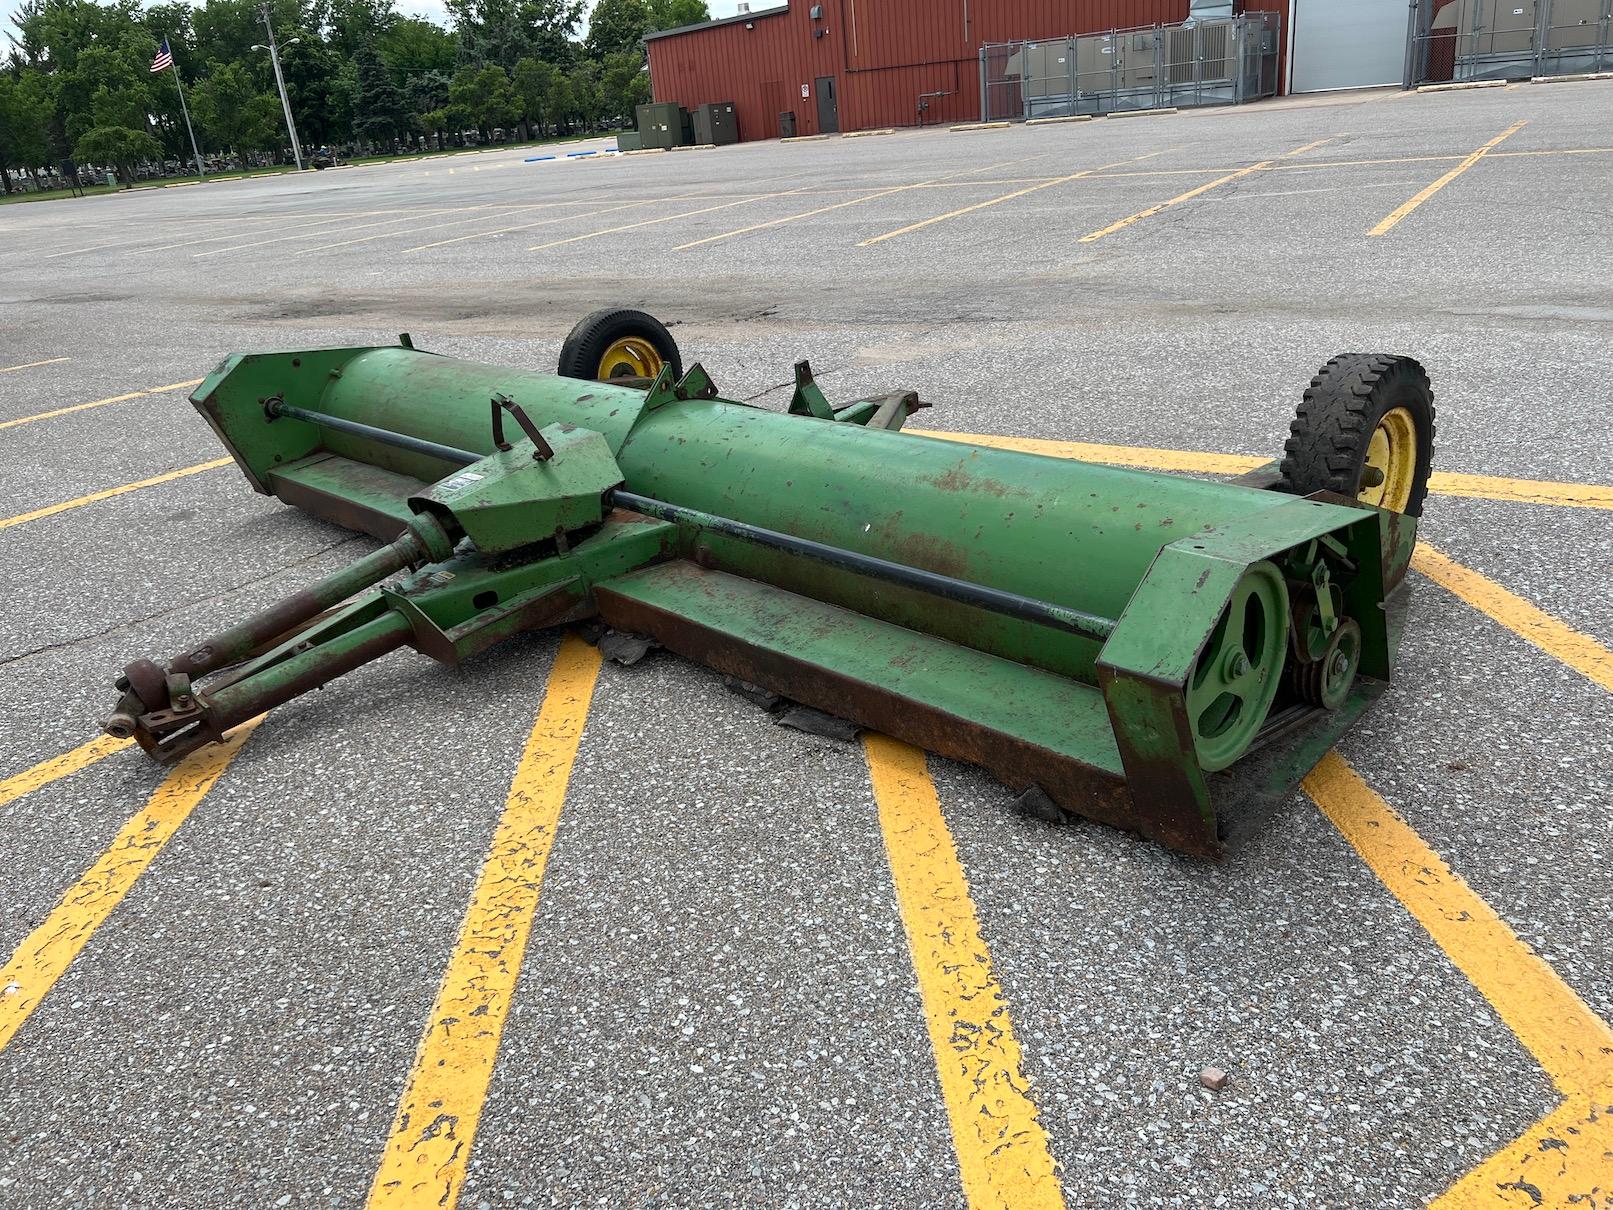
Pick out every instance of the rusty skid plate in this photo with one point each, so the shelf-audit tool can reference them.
(1022, 724)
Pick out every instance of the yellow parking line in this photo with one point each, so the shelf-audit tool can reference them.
(58, 767)
(94, 497)
(856, 201)
(1566, 1154)
(651, 222)
(1400, 212)
(1132, 219)
(325, 220)
(1440, 483)
(280, 239)
(33, 365)
(500, 211)
(50, 949)
(1007, 197)
(459, 239)
(1002, 1149)
(1562, 642)
(98, 403)
(431, 1138)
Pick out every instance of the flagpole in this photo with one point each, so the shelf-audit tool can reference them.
(200, 171)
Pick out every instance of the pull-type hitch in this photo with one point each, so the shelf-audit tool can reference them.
(1107, 638)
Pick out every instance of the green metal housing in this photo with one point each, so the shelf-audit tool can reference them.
(1192, 592)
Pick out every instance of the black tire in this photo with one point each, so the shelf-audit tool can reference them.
(1327, 445)
(586, 346)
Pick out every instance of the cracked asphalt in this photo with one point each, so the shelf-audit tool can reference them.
(717, 1004)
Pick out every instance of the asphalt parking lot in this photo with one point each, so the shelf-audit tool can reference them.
(239, 985)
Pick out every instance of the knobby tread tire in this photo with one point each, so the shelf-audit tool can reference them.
(587, 342)
(1328, 438)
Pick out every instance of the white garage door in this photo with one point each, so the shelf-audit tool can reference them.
(1347, 44)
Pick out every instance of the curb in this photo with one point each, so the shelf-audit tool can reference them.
(1142, 113)
(1463, 87)
(982, 126)
(867, 134)
(647, 151)
(1575, 79)
(1082, 117)
(696, 147)
(805, 138)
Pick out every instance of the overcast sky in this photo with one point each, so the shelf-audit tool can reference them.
(431, 9)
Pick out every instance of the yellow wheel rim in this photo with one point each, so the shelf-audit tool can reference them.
(630, 357)
(1391, 465)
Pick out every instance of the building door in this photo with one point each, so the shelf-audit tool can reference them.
(1353, 45)
(828, 106)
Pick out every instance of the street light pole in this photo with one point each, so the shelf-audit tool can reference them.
(280, 80)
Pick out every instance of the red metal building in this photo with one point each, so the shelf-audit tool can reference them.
(866, 64)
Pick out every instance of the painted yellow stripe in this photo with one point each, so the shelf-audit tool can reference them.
(30, 365)
(1564, 1158)
(544, 222)
(1400, 212)
(1008, 197)
(430, 1143)
(98, 403)
(1525, 491)
(50, 949)
(1440, 483)
(1003, 1156)
(95, 497)
(58, 767)
(1131, 220)
(856, 201)
(651, 222)
(1560, 641)
(499, 211)
(390, 222)
(1570, 1041)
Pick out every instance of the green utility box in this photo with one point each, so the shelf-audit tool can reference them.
(660, 125)
(628, 140)
(716, 123)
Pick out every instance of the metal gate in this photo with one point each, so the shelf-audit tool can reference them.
(1464, 40)
(1359, 44)
(1198, 63)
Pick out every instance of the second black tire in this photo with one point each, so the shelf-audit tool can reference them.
(619, 342)
(1354, 399)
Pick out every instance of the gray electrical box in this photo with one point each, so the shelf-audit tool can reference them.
(717, 123)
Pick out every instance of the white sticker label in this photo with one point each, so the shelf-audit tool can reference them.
(464, 479)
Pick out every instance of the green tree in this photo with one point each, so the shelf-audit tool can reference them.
(671, 14)
(624, 85)
(24, 122)
(234, 110)
(486, 97)
(412, 46)
(535, 83)
(587, 99)
(616, 26)
(378, 112)
(118, 146)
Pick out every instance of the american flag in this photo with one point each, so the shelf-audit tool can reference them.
(164, 59)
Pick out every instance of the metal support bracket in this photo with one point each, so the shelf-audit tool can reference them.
(542, 451)
(809, 399)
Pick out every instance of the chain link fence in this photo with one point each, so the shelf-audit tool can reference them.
(1199, 63)
(1464, 40)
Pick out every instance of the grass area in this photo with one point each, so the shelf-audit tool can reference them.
(280, 169)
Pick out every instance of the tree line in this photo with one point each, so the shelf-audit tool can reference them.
(78, 81)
